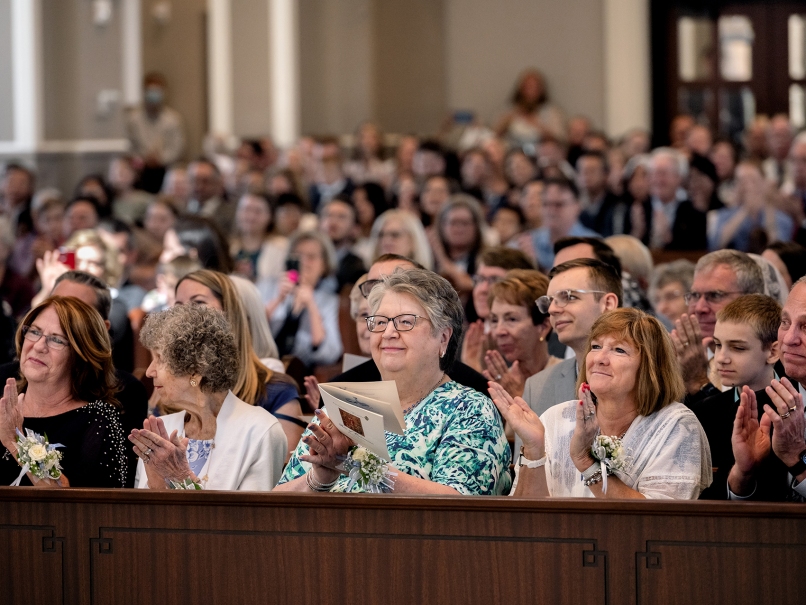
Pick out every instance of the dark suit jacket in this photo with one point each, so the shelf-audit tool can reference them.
(461, 373)
(716, 415)
(134, 409)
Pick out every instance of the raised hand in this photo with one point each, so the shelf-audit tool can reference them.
(787, 419)
(472, 345)
(750, 441)
(691, 350)
(587, 426)
(511, 378)
(11, 417)
(522, 419)
(312, 394)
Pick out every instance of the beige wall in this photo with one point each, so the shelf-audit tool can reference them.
(335, 39)
(79, 60)
(251, 68)
(489, 43)
(407, 63)
(6, 85)
(178, 50)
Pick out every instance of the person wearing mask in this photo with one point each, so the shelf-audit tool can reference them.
(155, 132)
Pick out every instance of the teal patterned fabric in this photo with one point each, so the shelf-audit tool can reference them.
(454, 437)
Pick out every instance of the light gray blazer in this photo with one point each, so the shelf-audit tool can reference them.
(549, 387)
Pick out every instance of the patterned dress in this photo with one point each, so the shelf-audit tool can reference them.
(454, 437)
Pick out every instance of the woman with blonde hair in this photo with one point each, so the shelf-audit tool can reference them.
(399, 232)
(626, 436)
(255, 383)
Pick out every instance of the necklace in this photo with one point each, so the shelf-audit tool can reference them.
(411, 407)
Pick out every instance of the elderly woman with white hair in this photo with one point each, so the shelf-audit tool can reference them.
(454, 440)
(216, 440)
(302, 307)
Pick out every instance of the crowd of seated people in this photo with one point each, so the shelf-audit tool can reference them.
(535, 290)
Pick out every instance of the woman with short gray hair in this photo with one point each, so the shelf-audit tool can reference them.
(454, 441)
(216, 441)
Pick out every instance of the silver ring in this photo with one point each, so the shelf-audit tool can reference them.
(786, 415)
(793, 408)
(586, 418)
(148, 452)
(498, 376)
(685, 344)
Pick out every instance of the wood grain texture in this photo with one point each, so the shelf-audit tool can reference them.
(132, 546)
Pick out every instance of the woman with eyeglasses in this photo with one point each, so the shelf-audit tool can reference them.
(66, 393)
(454, 441)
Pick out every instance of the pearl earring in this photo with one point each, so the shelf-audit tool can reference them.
(542, 339)
(192, 382)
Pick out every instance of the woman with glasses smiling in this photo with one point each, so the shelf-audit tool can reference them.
(454, 441)
(66, 392)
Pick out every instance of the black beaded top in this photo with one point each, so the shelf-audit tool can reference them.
(94, 452)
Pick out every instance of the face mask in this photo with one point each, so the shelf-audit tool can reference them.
(154, 96)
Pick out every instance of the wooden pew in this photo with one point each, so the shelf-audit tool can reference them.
(135, 546)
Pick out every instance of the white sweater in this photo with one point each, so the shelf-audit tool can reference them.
(250, 448)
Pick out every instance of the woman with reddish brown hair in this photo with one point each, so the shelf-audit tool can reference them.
(65, 393)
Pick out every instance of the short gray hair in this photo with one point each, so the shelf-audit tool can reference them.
(749, 278)
(681, 271)
(438, 298)
(194, 339)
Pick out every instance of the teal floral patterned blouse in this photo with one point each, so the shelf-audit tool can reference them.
(454, 437)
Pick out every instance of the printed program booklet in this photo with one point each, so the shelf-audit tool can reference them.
(364, 411)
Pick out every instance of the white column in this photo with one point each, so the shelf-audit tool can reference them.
(219, 36)
(627, 66)
(26, 73)
(132, 52)
(284, 61)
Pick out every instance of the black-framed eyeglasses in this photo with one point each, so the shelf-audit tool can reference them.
(561, 298)
(490, 281)
(57, 343)
(713, 297)
(403, 322)
(365, 287)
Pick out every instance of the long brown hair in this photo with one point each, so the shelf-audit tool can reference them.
(252, 374)
(92, 374)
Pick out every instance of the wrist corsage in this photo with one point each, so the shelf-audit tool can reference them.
(186, 483)
(609, 451)
(367, 470)
(37, 456)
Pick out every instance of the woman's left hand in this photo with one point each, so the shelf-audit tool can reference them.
(327, 446)
(585, 431)
(164, 454)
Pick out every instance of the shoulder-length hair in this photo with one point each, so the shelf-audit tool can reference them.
(463, 200)
(252, 374)
(659, 381)
(92, 374)
(421, 250)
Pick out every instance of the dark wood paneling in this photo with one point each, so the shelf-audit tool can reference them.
(105, 546)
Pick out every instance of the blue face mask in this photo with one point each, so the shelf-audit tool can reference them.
(154, 96)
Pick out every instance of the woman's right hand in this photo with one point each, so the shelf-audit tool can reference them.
(49, 269)
(473, 345)
(522, 419)
(11, 417)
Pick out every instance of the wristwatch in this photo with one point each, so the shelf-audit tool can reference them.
(800, 466)
(523, 461)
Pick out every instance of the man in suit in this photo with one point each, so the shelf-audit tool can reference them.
(578, 293)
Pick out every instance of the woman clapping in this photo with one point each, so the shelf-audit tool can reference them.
(628, 385)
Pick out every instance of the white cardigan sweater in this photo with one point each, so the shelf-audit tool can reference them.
(249, 452)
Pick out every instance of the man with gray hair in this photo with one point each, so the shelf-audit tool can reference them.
(673, 223)
(719, 278)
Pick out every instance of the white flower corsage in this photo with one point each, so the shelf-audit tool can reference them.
(610, 452)
(38, 456)
(187, 483)
(367, 470)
